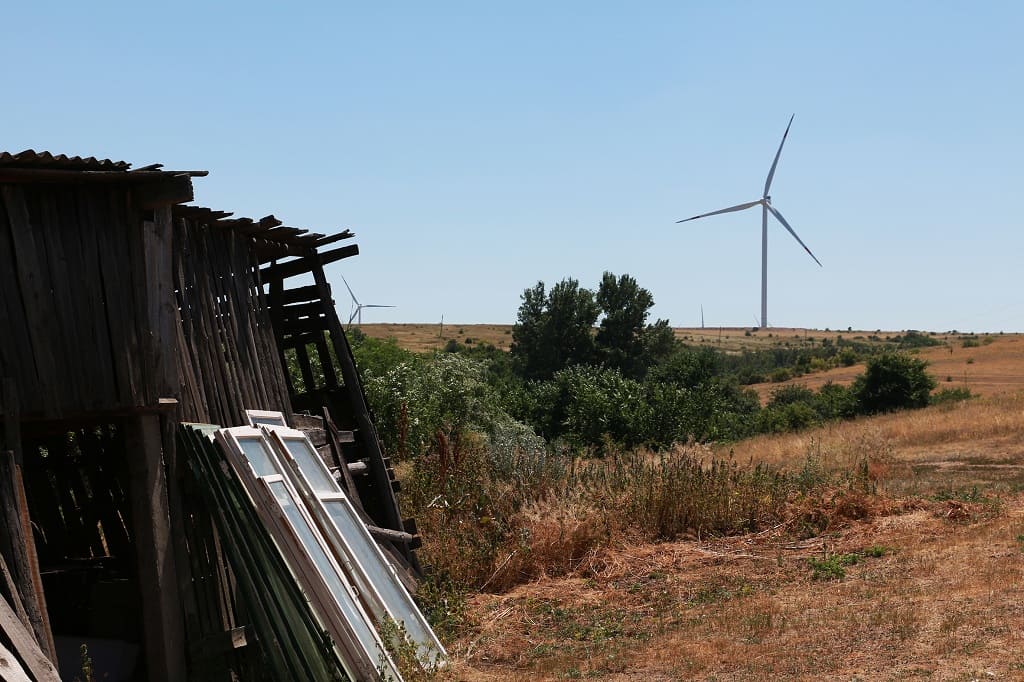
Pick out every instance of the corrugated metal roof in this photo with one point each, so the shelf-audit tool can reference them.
(33, 159)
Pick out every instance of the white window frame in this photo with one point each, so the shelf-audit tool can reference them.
(373, 575)
(269, 417)
(353, 631)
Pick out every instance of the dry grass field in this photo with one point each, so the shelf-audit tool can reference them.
(927, 584)
(990, 368)
(921, 579)
(427, 337)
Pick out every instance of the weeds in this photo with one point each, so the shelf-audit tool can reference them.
(832, 567)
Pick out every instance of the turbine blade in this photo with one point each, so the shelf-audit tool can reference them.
(793, 232)
(771, 173)
(353, 316)
(349, 290)
(739, 207)
(375, 305)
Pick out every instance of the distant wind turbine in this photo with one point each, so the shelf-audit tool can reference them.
(357, 307)
(766, 207)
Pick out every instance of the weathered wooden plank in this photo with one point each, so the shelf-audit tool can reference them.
(19, 548)
(112, 253)
(15, 345)
(330, 374)
(227, 325)
(25, 647)
(175, 189)
(130, 228)
(90, 317)
(307, 264)
(163, 629)
(38, 302)
(243, 288)
(10, 668)
(299, 295)
(160, 303)
(74, 364)
(9, 591)
(324, 241)
(309, 383)
(293, 328)
(301, 310)
(211, 338)
(190, 353)
(192, 407)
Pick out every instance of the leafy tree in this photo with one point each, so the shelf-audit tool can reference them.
(553, 330)
(624, 339)
(689, 367)
(893, 381)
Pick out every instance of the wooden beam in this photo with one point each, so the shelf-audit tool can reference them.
(25, 647)
(19, 548)
(176, 189)
(324, 241)
(10, 668)
(298, 295)
(302, 266)
(163, 629)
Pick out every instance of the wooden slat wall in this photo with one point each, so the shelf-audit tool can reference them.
(227, 353)
(106, 307)
(72, 287)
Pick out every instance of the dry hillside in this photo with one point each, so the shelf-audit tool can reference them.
(931, 587)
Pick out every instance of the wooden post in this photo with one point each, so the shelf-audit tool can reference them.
(163, 634)
(19, 548)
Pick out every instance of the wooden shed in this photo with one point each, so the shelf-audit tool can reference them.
(124, 312)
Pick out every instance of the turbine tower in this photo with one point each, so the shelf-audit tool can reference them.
(766, 207)
(357, 307)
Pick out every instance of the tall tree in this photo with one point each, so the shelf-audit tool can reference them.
(553, 330)
(624, 339)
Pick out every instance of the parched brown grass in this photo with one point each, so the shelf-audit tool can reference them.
(427, 337)
(993, 367)
(932, 584)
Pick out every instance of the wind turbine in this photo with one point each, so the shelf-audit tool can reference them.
(766, 207)
(357, 307)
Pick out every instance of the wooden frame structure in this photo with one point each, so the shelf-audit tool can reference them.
(123, 314)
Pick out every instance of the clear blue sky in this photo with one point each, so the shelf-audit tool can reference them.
(478, 147)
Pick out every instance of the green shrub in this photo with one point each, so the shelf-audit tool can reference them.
(832, 567)
(893, 381)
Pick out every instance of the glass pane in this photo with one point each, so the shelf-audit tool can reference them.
(312, 466)
(313, 548)
(258, 454)
(316, 552)
(364, 550)
(273, 421)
